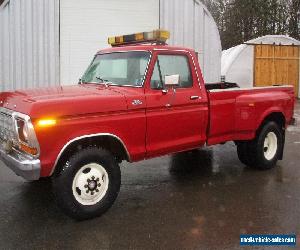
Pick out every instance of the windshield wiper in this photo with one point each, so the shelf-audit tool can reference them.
(102, 80)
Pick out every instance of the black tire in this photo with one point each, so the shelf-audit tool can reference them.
(252, 153)
(41, 180)
(63, 183)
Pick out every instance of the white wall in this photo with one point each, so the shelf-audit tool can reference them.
(191, 25)
(86, 25)
(29, 44)
(33, 53)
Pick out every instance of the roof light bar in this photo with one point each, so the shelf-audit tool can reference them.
(158, 36)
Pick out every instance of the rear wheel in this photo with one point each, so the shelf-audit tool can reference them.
(264, 151)
(88, 183)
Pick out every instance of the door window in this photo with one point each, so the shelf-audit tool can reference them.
(171, 65)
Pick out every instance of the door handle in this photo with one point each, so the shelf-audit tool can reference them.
(165, 91)
(194, 97)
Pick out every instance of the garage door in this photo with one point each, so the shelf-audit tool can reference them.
(277, 64)
(86, 24)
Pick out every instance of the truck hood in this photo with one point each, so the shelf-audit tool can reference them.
(65, 101)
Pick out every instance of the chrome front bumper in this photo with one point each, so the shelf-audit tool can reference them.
(22, 165)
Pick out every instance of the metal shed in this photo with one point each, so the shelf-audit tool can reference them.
(51, 42)
(264, 61)
(192, 25)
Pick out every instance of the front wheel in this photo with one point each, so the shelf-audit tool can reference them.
(87, 184)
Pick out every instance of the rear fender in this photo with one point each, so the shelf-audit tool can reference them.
(267, 113)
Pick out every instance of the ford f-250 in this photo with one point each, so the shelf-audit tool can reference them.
(138, 99)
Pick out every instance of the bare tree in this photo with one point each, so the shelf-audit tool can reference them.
(241, 20)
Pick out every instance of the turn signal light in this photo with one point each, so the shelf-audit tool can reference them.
(159, 36)
(46, 122)
(29, 150)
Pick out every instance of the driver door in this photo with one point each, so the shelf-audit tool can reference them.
(175, 117)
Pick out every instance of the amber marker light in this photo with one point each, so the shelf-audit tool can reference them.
(46, 123)
(29, 150)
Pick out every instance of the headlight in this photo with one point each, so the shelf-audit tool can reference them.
(26, 134)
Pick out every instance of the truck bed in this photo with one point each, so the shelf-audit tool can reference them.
(221, 85)
(236, 113)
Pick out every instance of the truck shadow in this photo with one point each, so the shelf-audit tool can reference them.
(196, 162)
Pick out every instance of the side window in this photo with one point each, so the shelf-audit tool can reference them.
(171, 65)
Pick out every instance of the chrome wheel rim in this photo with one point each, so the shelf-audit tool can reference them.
(90, 184)
(270, 146)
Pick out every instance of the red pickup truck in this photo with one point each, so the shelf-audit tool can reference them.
(135, 101)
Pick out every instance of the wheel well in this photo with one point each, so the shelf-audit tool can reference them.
(276, 117)
(108, 142)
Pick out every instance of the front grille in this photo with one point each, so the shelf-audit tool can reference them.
(6, 125)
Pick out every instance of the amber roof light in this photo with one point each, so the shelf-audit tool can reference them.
(155, 36)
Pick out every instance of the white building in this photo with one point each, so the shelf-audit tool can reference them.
(51, 42)
(267, 60)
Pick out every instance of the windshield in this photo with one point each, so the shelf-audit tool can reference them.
(119, 68)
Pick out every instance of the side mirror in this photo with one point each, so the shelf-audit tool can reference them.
(172, 80)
